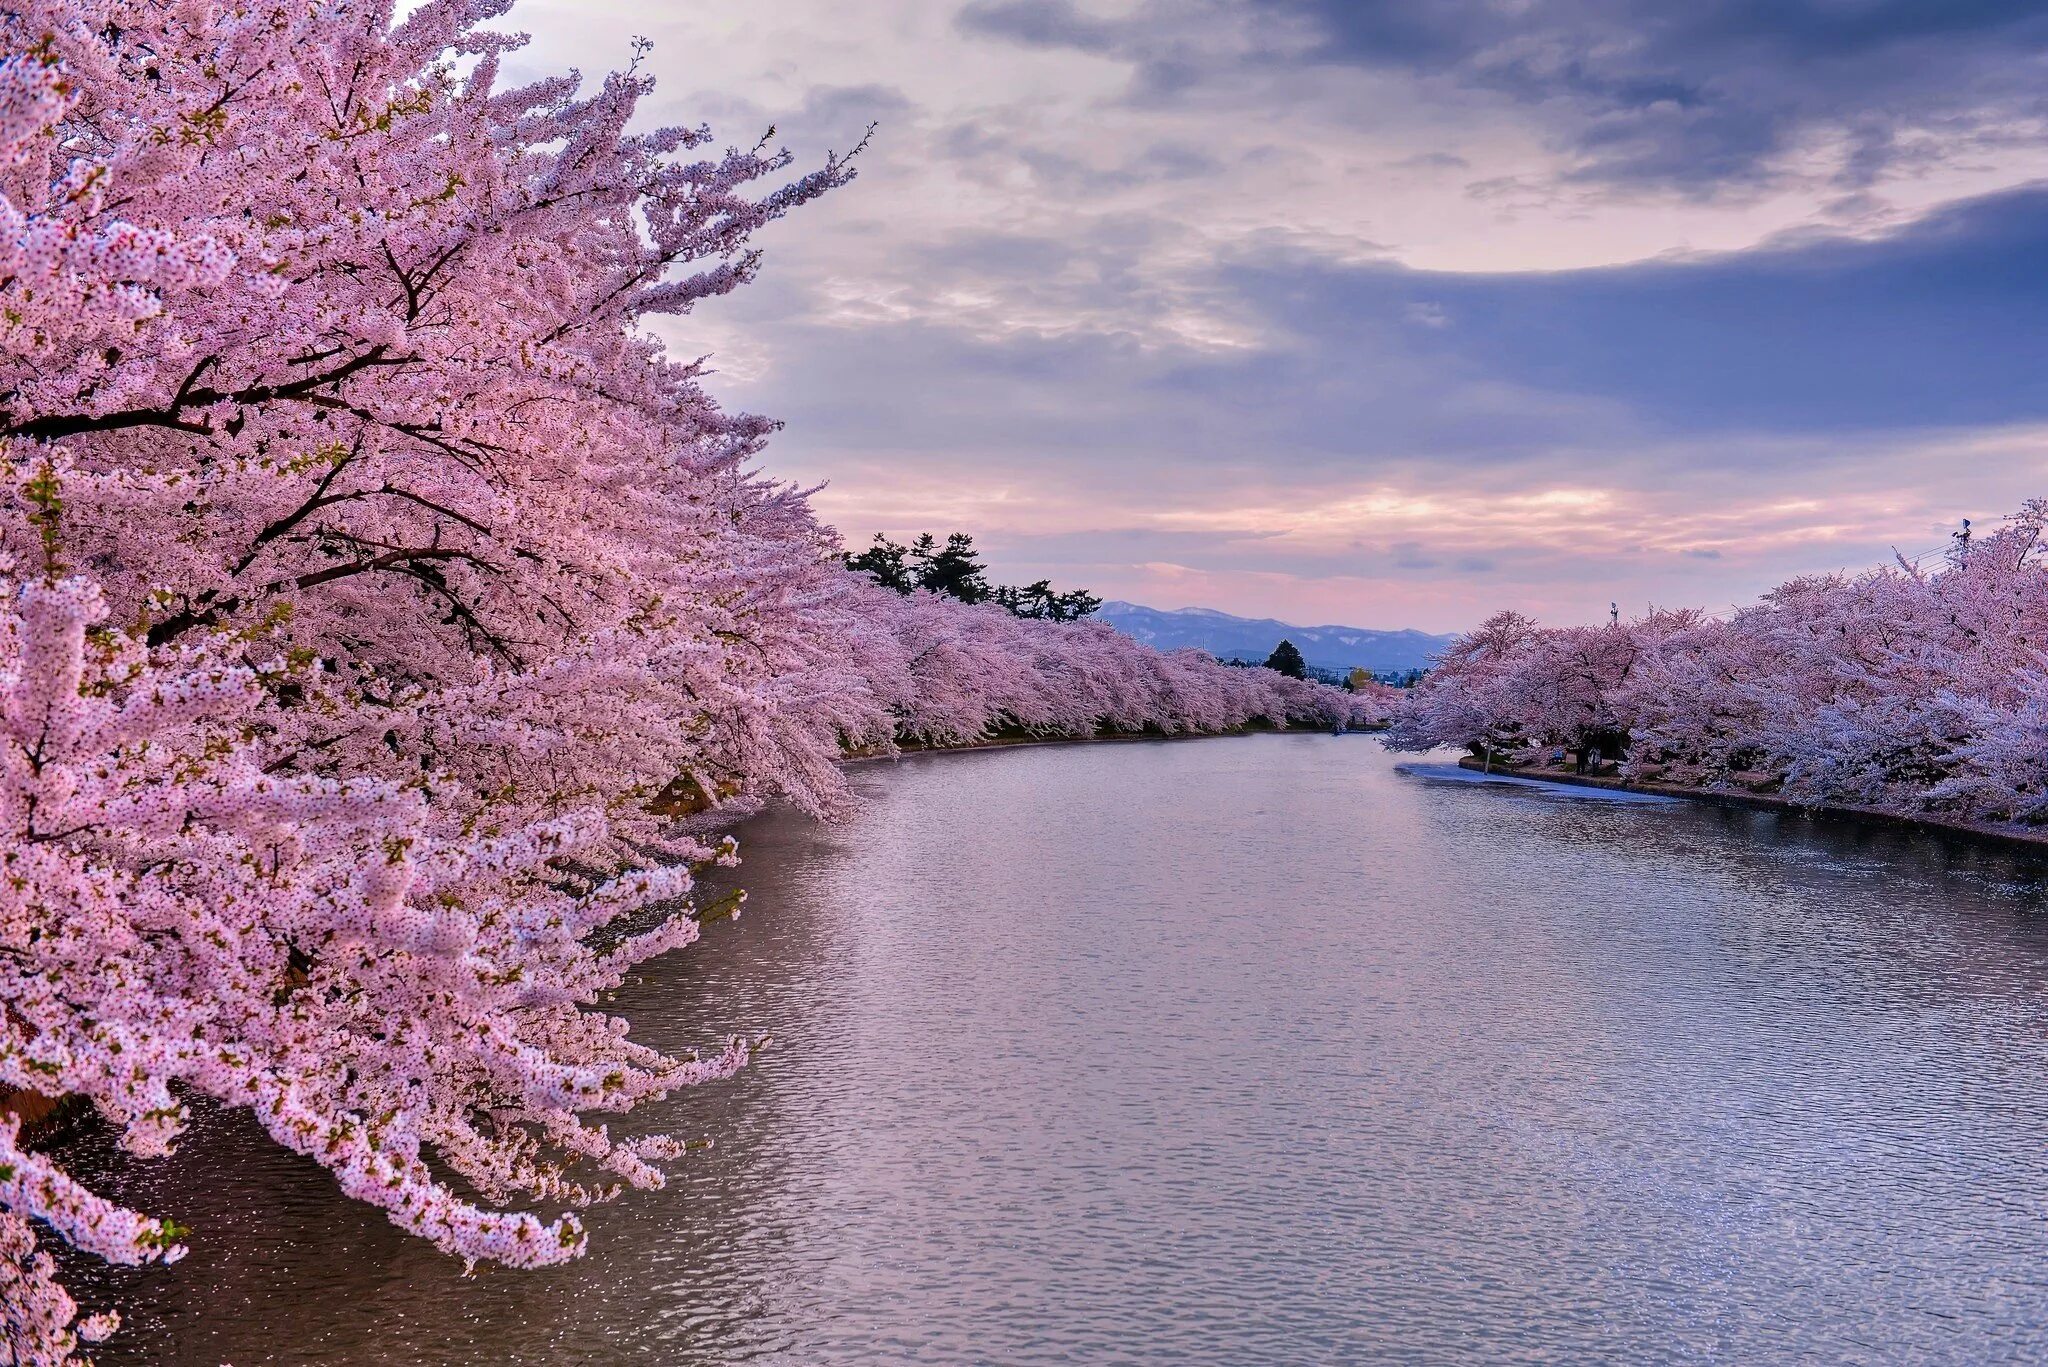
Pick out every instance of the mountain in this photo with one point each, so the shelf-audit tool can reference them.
(1253, 638)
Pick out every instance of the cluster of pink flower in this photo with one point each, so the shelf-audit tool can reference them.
(954, 671)
(370, 572)
(1903, 688)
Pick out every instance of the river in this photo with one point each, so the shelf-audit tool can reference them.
(1271, 1051)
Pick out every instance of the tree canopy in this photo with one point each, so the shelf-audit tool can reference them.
(388, 621)
(954, 570)
(1286, 658)
(1904, 687)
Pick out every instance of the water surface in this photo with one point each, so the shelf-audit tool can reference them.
(1257, 1051)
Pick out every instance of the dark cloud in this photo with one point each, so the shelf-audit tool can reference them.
(1409, 555)
(1643, 49)
(986, 154)
(1432, 161)
(1140, 340)
(837, 106)
(1042, 23)
(1178, 161)
(1699, 95)
(1648, 378)
(1941, 325)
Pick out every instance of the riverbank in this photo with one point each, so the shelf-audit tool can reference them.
(1980, 832)
(1011, 741)
(42, 1118)
(1704, 1036)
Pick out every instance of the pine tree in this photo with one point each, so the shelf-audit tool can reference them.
(1288, 661)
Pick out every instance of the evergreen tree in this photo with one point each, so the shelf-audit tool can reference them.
(1288, 661)
(1040, 601)
(954, 570)
(883, 562)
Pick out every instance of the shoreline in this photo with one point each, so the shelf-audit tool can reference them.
(2006, 837)
(1018, 742)
(44, 1119)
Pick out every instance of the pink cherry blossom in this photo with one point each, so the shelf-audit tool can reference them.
(1906, 688)
(388, 623)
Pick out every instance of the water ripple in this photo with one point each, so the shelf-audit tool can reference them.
(1259, 1051)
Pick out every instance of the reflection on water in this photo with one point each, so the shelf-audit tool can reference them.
(1257, 1051)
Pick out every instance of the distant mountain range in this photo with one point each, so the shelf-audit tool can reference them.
(1253, 638)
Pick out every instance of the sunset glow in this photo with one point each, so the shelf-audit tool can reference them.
(1364, 287)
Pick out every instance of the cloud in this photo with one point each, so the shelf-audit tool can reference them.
(1432, 161)
(1680, 431)
(1041, 23)
(1940, 324)
(1379, 312)
(1707, 96)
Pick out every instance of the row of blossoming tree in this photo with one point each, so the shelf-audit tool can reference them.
(375, 584)
(1905, 688)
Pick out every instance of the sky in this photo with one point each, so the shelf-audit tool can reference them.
(1384, 312)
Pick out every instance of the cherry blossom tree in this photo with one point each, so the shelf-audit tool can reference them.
(1905, 688)
(389, 622)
